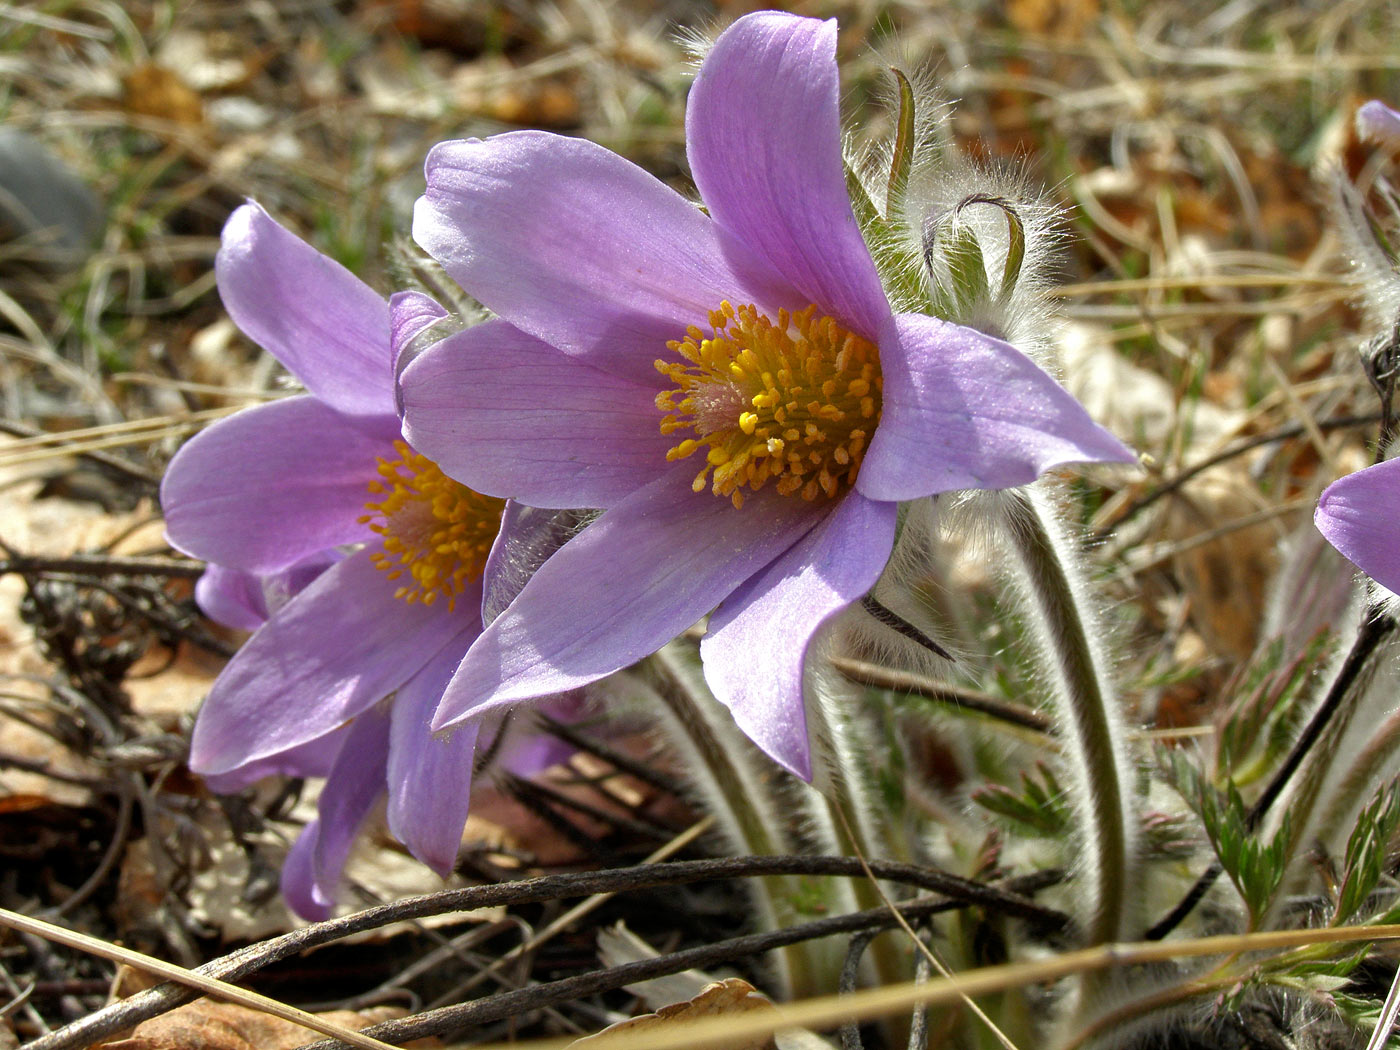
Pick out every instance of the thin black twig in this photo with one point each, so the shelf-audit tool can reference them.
(1374, 628)
(102, 565)
(488, 752)
(905, 682)
(18, 1000)
(121, 832)
(43, 768)
(528, 794)
(612, 756)
(1283, 433)
(172, 623)
(449, 1019)
(456, 947)
(637, 824)
(850, 974)
(1007, 899)
(900, 625)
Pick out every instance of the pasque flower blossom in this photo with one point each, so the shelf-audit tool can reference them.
(357, 561)
(1360, 516)
(729, 386)
(1358, 513)
(1377, 122)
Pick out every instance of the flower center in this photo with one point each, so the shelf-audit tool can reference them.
(793, 402)
(436, 530)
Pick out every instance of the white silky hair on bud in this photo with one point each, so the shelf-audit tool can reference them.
(959, 192)
(941, 183)
(1365, 758)
(841, 740)
(412, 269)
(528, 541)
(695, 42)
(1377, 280)
(1383, 598)
(1312, 590)
(913, 585)
(870, 159)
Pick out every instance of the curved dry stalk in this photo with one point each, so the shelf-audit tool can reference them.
(1007, 899)
(208, 985)
(449, 1019)
(873, 1003)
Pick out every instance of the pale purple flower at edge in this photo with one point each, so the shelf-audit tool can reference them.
(268, 497)
(1360, 516)
(592, 266)
(1377, 122)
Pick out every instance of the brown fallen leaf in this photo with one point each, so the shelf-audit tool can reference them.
(154, 91)
(731, 996)
(208, 1025)
(1063, 19)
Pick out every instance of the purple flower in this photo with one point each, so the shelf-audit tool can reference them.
(1360, 516)
(731, 388)
(247, 600)
(357, 561)
(1377, 122)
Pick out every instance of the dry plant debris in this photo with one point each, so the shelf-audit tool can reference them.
(207, 1025)
(731, 996)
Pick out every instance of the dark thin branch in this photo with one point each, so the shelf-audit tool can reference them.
(541, 806)
(488, 753)
(637, 825)
(612, 756)
(42, 767)
(1283, 433)
(904, 682)
(121, 834)
(900, 625)
(1374, 629)
(450, 1019)
(850, 974)
(179, 626)
(1007, 899)
(102, 565)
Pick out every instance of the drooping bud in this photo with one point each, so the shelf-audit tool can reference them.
(986, 254)
(1367, 213)
(964, 241)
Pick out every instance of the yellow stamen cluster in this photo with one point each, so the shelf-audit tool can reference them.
(436, 530)
(793, 401)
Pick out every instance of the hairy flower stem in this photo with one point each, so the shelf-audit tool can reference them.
(1084, 702)
(855, 829)
(742, 800)
(1332, 715)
